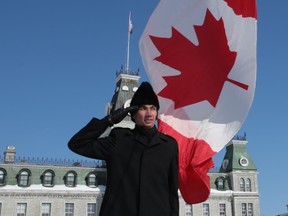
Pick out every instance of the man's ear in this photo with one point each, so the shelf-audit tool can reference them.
(132, 117)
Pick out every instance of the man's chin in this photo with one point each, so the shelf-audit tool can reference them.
(150, 125)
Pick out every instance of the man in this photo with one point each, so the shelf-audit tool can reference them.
(142, 163)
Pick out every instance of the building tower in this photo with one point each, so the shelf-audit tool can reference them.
(242, 176)
(126, 85)
(9, 154)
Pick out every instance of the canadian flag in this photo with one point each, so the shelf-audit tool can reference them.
(130, 25)
(200, 56)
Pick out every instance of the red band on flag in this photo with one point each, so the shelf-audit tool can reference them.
(246, 8)
(193, 167)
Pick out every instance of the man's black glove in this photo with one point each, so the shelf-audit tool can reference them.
(118, 115)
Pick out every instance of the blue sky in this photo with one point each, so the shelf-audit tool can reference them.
(57, 70)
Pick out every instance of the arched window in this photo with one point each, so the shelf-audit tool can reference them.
(47, 178)
(3, 174)
(23, 178)
(70, 179)
(242, 184)
(91, 180)
(248, 184)
(125, 88)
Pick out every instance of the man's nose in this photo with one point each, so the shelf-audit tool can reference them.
(148, 111)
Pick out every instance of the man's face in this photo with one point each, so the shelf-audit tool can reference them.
(146, 116)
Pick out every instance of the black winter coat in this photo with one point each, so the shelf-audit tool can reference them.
(142, 175)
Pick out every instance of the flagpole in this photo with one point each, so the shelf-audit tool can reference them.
(128, 44)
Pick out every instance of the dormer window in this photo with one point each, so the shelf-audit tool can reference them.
(70, 179)
(220, 182)
(91, 180)
(3, 174)
(24, 178)
(47, 178)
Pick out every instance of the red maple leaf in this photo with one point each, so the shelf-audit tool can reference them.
(246, 8)
(204, 68)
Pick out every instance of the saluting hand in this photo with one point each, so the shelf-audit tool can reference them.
(119, 114)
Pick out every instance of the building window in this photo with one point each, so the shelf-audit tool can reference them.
(70, 179)
(220, 183)
(23, 178)
(3, 174)
(242, 184)
(247, 211)
(21, 209)
(125, 88)
(244, 209)
(222, 209)
(47, 178)
(91, 180)
(248, 185)
(250, 209)
(205, 209)
(69, 209)
(46, 209)
(91, 209)
(188, 210)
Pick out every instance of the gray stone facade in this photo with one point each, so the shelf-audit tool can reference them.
(32, 199)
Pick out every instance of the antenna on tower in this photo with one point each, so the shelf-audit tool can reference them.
(130, 29)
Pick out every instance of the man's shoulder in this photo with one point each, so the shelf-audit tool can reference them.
(167, 137)
(169, 141)
(121, 130)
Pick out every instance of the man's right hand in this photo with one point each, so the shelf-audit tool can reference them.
(118, 115)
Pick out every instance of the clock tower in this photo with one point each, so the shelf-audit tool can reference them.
(126, 85)
(237, 157)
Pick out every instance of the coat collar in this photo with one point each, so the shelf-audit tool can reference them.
(157, 139)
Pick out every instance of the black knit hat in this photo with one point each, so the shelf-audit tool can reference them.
(145, 95)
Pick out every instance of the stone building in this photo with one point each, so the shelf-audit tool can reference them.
(33, 187)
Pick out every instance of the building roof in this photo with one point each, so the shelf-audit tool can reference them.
(237, 158)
